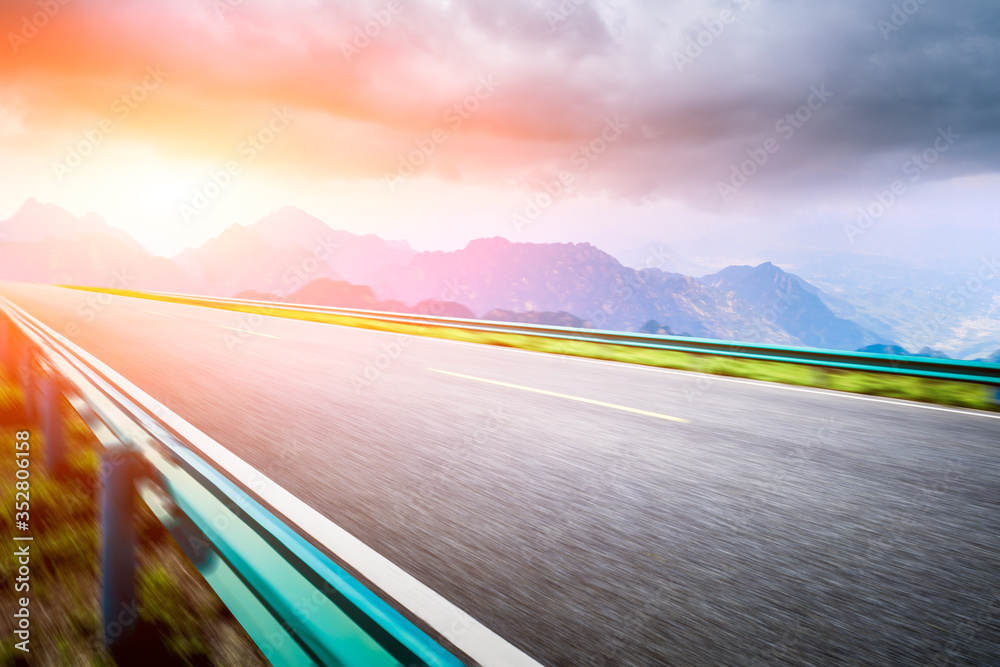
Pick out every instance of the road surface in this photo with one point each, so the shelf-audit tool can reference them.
(595, 513)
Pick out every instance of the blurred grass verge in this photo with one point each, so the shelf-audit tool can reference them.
(181, 619)
(942, 392)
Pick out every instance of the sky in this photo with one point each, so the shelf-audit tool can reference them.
(720, 127)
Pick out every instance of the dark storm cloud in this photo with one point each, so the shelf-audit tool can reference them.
(891, 89)
(699, 84)
(703, 83)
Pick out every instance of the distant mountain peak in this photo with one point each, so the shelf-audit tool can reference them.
(33, 207)
(742, 271)
(488, 242)
(932, 353)
(235, 230)
(993, 358)
(286, 249)
(894, 350)
(290, 210)
(35, 221)
(788, 301)
(30, 204)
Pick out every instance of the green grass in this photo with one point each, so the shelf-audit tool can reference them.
(943, 392)
(183, 621)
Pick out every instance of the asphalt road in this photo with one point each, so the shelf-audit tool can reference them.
(668, 518)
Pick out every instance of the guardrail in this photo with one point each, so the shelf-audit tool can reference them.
(941, 369)
(296, 603)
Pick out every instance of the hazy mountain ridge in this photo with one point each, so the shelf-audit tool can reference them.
(342, 294)
(992, 359)
(286, 250)
(568, 283)
(35, 222)
(579, 279)
(355, 258)
(242, 259)
(937, 303)
(792, 304)
(44, 243)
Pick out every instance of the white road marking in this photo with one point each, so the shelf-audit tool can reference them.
(580, 399)
(721, 378)
(247, 331)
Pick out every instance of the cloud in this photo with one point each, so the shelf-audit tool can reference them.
(699, 85)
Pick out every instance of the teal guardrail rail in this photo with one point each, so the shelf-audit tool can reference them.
(941, 369)
(296, 603)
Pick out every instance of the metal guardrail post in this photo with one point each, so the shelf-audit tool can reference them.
(51, 405)
(298, 604)
(118, 558)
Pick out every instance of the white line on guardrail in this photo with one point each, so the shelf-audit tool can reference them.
(458, 627)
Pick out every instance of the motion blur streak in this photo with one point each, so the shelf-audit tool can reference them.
(778, 527)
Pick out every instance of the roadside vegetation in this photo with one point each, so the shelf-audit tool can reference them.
(943, 392)
(181, 619)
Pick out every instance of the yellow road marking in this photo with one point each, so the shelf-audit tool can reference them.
(624, 408)
(154, 312)
(255, 333)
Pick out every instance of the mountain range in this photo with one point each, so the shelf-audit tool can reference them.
(793, 304)
(295, 257)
